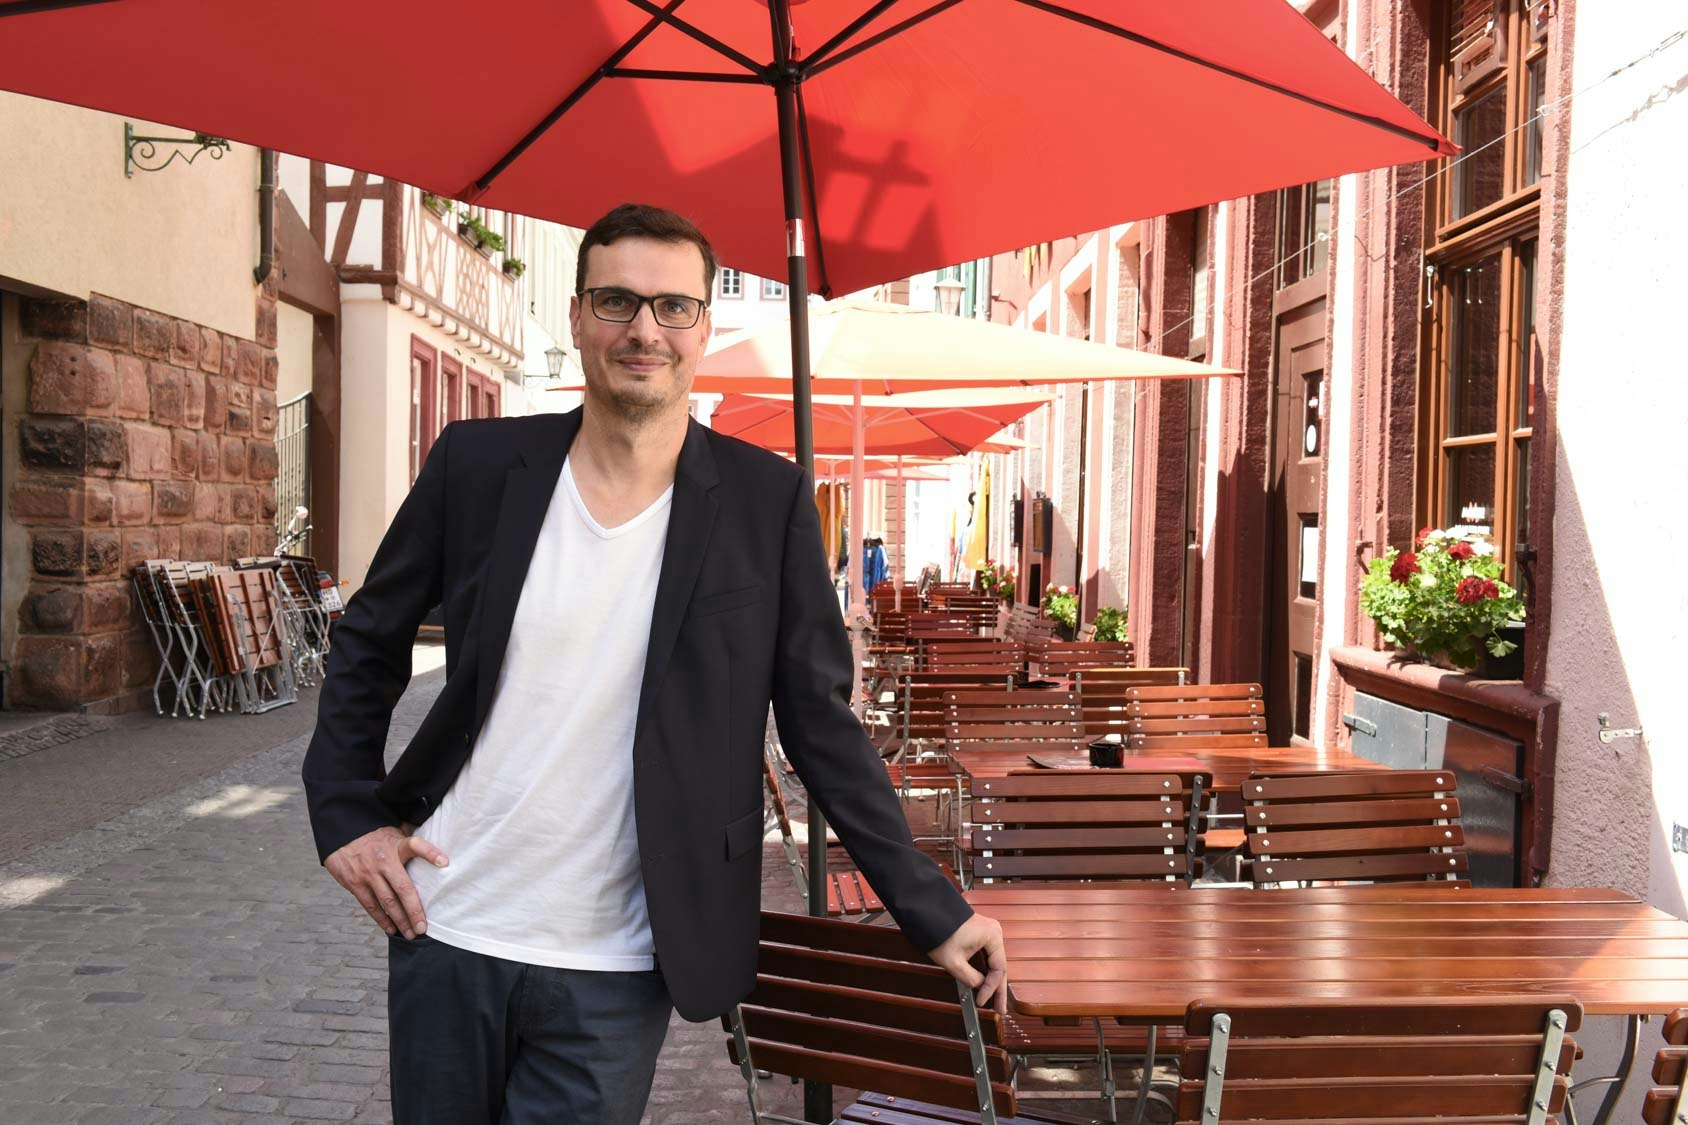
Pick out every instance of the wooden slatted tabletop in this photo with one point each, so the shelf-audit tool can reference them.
(1230, 767)
(1143, 954)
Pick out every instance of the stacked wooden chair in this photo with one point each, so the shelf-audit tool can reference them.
(1373, 826)
(220, 634)
(1482, 1059)
(860, 1007)
(302, 613)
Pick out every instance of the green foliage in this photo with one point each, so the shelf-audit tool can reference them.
(515, 267)
(1060, 604)
(1110, 624)
(1445, 596)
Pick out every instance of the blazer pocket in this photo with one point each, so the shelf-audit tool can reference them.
(744, 834)
(711, 604)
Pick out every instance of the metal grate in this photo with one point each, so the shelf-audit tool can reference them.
(293, 475)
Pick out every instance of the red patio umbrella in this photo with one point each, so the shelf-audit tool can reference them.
(928, 424)
(902, 135)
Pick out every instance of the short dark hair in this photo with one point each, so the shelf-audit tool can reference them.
(641, 220)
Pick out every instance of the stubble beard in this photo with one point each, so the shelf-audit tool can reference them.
(640, 403)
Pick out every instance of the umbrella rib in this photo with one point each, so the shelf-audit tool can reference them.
(484, 181)
(822, 285)
(685, 76)
(667, 16)
(854, 26)
(30, 7)
(1092, 22)
(813, 68)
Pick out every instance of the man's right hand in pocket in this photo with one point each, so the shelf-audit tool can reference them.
(372, 868)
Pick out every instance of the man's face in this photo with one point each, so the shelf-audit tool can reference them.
(640, 368)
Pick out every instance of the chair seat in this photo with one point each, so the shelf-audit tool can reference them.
(880, 1109)
(848, 893)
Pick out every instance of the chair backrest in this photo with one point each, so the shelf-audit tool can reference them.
(1064, 658)
(936, 652)
(1218, 715)
(1478, 1059)
(1000, 719)
(1113, 825)
(860, 1007)
(1665, 1102)
(1364, 826)
(1025, 623)
(923, 716)
(1104, 692)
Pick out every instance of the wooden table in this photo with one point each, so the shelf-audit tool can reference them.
(1230, 766)
(1142, 954)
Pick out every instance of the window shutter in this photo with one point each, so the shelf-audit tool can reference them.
(1475, 34)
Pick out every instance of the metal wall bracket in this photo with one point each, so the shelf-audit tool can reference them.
(1364, 726)
(142, 152)
(1608, 732)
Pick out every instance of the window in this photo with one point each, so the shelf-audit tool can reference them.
(1478, 394)
(732, 283)
(1303, 231)
(451, 381)
(772, 290)
(424, 402)
(483, 395)
(1198, 281)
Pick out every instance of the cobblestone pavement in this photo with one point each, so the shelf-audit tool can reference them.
(189, 962)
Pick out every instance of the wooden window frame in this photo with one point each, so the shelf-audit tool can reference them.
(451, 378)
(1502, 228)
(423, 415)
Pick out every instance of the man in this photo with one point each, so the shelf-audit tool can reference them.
(624, 594)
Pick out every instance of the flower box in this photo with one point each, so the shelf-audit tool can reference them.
(1443, 599)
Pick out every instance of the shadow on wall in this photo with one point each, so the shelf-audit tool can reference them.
(1610, 824)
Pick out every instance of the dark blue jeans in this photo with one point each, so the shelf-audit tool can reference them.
(477, 1040)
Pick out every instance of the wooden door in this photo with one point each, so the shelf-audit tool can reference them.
(1296, 477)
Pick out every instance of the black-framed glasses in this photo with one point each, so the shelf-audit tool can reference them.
(621, 306)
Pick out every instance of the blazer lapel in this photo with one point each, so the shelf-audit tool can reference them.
(691, 517)
(527, 496)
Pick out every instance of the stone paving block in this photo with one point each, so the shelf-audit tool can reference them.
(123, 1115)
(247, 1103)
(315, 1110)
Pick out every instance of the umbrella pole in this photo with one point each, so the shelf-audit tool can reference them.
(902, 531)
(817, 1097)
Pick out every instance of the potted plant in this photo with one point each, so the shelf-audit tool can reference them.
(439, 205)
(997, 579)
(514, 267)
(1060, 605)
(1110, 624)
(1444, 598)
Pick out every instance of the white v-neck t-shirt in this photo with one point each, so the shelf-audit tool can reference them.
(539, 825)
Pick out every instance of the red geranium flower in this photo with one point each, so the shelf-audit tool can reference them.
(1404, 567)
(1460, 551)
(1423, 534)
(1472, 590)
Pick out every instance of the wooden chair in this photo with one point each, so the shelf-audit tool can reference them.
(1120, 826)
(1064, 658)
(1026, 624)
(1104, 694)
(1192, 715)
(920, 761)
(1477, 1059)
(1370, 826)
(1025, 722)
(862, 1008)
(1666, 1103)
(848, 893)
(934, 652)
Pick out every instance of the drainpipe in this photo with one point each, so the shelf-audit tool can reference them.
(266, 214)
